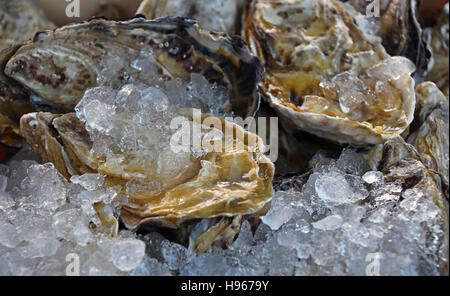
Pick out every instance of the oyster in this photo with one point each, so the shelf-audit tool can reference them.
(214, 15)
(326, 74)
(437, 39)
(20, 20)
(57, 67)
(401, 163)
(432, 137)
(393, 24)
(112, 134)
(14, 102)
(398, 26)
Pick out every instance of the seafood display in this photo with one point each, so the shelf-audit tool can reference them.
(229, 138)
(431, 138)
(165, 191)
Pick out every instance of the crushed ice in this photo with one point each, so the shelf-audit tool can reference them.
(315, 231)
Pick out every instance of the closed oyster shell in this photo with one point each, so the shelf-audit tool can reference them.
(402, 163)
(327, 74)
(20, 20)
(432, 137)
(213, 15)
(58, 66)
(437, 39)
(234, 182)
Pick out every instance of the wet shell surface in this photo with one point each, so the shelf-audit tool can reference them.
(431, 138)
(234, 182)
(57, 67)
(327, 74)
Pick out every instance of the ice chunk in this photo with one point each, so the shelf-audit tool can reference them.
(245, 240)
(127, 254)
(8, 236)
(45, 187)
(174, 255)
(392, 68)
(205, 265)
(3, 182)
(6, 202)
(89, 182)
(332, 222)
(282, 210)
(42, 247)
(373, 178)
(334, 188)
(352, 162)
(64, 223)
(151, 267)
(351, 91)
(82, 234)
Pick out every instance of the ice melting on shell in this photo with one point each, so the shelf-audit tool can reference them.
(173, 162)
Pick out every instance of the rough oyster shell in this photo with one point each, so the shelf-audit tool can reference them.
(393, 22)
(20, 20)
(402, 163)
(438, 41)
(58, 66)
(326, 74)
(234, 182)
(9, 132)
(14, 102)
(400, 30)
(213, 15)
(432, 137)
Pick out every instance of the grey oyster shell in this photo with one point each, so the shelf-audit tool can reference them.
(57, 67)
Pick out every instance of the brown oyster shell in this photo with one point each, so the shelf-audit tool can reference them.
(432, 137)
(304, 45)
(237, 183)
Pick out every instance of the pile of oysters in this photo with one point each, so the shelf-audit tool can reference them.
(97, 97)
